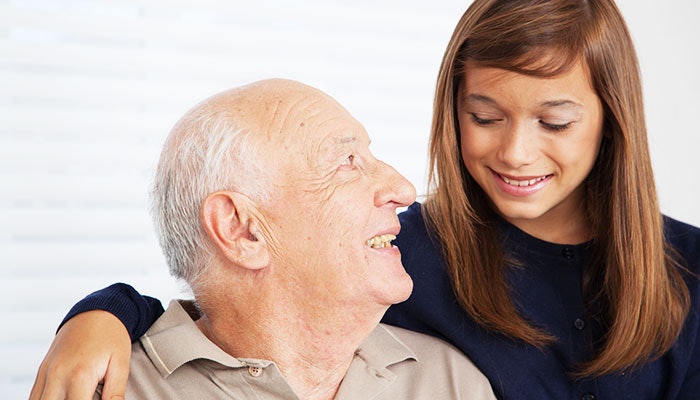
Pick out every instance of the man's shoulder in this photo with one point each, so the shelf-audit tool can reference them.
(174, 359)
(435, 369)
(426, 347)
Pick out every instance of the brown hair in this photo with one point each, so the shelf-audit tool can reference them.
(632, 276)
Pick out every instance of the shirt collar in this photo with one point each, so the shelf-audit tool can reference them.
(163, 343)
(383, 348)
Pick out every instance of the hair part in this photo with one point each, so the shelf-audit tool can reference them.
(634, 277)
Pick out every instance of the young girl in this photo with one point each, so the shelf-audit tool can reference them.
(540, 251)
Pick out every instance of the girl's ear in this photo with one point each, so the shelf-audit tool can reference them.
(231, 227)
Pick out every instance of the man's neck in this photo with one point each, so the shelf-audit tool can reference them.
(312, 350)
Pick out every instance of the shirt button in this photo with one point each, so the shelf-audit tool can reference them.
(579, 324)
(254, 371)
(567, 253)
(588, 396)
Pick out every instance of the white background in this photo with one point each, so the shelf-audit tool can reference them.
(90, 88)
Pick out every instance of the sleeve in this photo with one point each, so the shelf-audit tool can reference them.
(691, 350)
(686, 240)
(135, 311)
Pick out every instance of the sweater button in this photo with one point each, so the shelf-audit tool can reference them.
(588, 396)
(579, 324)
(567, 253)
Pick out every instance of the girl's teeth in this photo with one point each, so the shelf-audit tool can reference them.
(530, 182)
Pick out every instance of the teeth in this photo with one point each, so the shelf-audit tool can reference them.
(380, 241)
(530, 182)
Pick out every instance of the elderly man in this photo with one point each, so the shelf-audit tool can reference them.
(269, 204)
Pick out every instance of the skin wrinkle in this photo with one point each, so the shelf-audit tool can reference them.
(324, 187)
(314, 185)
(314, 166)
(317, 179)
(301, 290)
(294, 117)
(294, 121)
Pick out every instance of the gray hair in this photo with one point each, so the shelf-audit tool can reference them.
(207, 150)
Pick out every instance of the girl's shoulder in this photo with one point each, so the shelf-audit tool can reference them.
(684, 239)
(413, 227)
(674, 226)
(412, 217)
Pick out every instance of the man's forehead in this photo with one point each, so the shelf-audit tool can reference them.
(288, 113)
(322, 121)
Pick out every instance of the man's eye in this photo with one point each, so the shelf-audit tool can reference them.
(349, 160)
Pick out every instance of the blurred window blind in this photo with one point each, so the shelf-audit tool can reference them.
(89, 89)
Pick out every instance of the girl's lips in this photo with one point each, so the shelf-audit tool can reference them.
(521, 186)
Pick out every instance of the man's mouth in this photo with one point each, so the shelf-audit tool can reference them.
(381, 241)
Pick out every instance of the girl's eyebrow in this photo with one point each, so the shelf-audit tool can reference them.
(479, 98)
(550, 104)
(562, 103)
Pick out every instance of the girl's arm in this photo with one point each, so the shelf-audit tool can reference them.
(93, 345)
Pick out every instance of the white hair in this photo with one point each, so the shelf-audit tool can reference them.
(208, 150)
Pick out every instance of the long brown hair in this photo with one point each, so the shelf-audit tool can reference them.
(633, 276)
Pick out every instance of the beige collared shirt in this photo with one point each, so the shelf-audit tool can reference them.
(174, 360)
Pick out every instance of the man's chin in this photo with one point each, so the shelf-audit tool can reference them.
(402, 293)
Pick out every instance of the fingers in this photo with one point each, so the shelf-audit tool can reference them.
(53, 383)
(80, 357)
(117, 375)
(82, 386)
(46, 386)
(53, 391)
(39, 384)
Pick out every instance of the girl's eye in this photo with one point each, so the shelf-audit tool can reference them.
(555, 127)
(483, 121)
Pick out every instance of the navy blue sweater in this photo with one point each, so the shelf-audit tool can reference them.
(547, 291)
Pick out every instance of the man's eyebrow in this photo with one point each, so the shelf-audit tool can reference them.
(348, 139)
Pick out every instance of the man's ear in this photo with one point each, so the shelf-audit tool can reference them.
(228, 222)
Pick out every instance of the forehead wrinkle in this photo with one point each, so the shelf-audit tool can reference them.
(283, 116)
(298, 127)
(330, 131)
(302, 134)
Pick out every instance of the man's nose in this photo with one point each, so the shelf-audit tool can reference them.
(393, 188)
